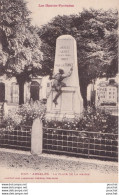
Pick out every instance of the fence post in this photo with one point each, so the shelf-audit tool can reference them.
(88, 145)
(37, 137)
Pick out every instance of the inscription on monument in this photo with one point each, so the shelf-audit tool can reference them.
(66, 58)
(64, 55)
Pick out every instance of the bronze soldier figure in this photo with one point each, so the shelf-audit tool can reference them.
(58, 84)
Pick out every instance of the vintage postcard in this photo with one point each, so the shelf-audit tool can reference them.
(59, 91)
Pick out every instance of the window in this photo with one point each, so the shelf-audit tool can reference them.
(34, 90)
(14, 93)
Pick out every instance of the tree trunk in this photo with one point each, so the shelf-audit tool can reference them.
(83, 88)
(84, 95)
(21, 93)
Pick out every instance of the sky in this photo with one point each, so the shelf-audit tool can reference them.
(43, 14)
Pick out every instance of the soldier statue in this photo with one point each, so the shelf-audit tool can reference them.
(58, 84)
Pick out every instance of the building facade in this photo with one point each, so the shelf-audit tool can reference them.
(104, 94)
(9, 90)
(107, 93)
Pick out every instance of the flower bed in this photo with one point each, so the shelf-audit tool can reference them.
(93, 120)
(15, 130)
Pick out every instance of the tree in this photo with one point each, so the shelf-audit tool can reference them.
(97, 43)
(20, 45)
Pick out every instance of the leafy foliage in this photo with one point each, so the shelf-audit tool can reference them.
(24, 115)
(97, 43)
(22, 43)
(92, 120)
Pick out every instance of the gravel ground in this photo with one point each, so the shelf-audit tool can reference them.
(56, 168)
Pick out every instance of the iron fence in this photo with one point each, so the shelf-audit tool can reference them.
(81, 143)
(18, 138)
(77, 143)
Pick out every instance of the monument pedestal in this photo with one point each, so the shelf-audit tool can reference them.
(70, 103)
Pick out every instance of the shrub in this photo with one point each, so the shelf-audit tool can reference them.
(92, 120)
(24, 115)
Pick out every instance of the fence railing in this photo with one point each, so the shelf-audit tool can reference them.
(17, 138)
(77, 143)
(81, 143)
